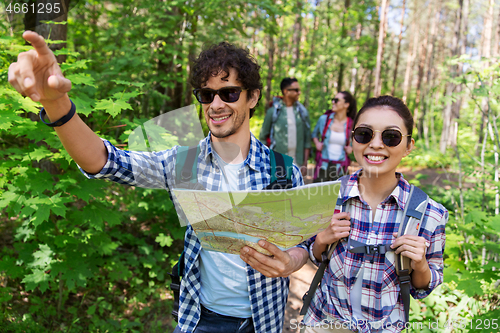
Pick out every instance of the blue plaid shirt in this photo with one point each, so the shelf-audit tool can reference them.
(381, 304)
(268, 296)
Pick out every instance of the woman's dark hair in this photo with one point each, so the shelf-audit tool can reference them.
(393, 103)
(352, 109)
(287, 82)
(219, 58)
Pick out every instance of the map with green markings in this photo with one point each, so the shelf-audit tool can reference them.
(226, 221)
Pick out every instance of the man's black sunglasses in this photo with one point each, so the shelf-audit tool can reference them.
(226, 94)
(294, 89)
(390, 137)
(335, 100)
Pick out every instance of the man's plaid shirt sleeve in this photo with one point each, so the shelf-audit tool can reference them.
(143, 169)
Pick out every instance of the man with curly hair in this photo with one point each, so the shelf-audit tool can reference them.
(219, 292)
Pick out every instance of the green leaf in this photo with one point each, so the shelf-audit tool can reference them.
(40, 153)
(58, 206)
(494, 223)
(91, 309)
(83, 104)
(126, 95)
(43, 258)
(37, 279)
(471, 287)
(81, 79)
(91, 215)
(164, 240)
(41, 215)
(112, 107)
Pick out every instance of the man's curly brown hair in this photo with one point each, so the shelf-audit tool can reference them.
(221, 57)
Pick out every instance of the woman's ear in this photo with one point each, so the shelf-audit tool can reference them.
(409, 147)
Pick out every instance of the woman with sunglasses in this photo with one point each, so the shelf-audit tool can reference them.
(331, 138)
(360, 291)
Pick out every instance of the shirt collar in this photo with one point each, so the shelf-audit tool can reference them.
(253, 158)
(400, 192)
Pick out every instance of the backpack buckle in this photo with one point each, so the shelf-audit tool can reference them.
(374, 249)
(186, 175)
(404, 276)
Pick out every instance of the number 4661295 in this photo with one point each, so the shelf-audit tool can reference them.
(40, 8)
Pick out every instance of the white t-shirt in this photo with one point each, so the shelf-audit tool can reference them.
(292, 132)
(336, 145)
(224, 275)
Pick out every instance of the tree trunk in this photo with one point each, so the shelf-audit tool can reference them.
(51, 31)
(430, 71)
(297, 35)
(411, 58)
(270, 52)
(497, 38)
(354, 70)
(486, 54)
(399, 49)
(188, 97)
(343, 34)
(279, 53)
(370, 82)
(380, 50)
(312, 53)
(421, 67)
(464, 5)
(450, 87)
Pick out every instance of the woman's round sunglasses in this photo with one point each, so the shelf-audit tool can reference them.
(390, 137)
(226, 94)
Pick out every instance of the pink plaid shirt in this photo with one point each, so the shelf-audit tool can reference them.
(381, 303)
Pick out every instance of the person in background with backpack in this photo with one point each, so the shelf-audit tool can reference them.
(286, 126)
(219, 292)
(361, 288)
(331, 138)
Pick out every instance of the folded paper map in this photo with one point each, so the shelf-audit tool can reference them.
(226, 221)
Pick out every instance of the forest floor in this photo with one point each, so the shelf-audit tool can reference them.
(300, 280)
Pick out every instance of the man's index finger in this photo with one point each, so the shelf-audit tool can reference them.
(37, 42)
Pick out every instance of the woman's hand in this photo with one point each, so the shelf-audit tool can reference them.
(318, 144)
(340, 226)
(415, 248)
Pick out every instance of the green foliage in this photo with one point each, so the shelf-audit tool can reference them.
(78, 255)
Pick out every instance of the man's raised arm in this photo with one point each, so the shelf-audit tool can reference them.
(37, 75)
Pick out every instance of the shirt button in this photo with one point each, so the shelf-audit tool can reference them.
(383, 206)
(371, 261)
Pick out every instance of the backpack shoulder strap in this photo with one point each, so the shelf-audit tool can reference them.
(175, 285)
(303, 114)
(185, 165)
(328, 121)
(348, 130)
(276, 112)
(410, 224)
(281, 171)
